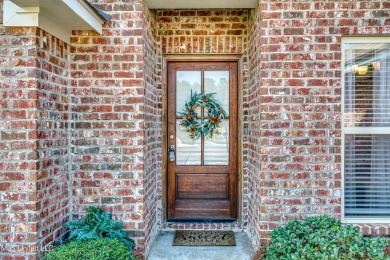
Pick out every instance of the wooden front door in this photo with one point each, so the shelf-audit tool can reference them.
(202, 179)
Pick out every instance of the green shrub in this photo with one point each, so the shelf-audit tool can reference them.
(98, 224)
(101, 249)
(322, 238)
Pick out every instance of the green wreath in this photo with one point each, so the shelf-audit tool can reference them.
(215, 114)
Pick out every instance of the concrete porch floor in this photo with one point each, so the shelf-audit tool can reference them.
(162, 249)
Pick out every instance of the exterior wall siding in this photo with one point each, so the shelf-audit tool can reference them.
(153, 129)
(220, 31)
(295, 114)
(53, 184)
(252, 146)
(81, 125)
(34, 89)
(108, 97)
(116, 136)
(19, 142)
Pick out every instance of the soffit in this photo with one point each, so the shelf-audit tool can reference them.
(200, 4)
(58, 17)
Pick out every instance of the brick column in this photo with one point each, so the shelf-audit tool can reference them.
(34, 197)
(18, 141)
(116, 120)
(295, 114)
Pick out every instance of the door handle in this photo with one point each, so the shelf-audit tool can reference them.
(172, 156)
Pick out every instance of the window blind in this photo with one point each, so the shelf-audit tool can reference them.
(367, 89)
(367, 175)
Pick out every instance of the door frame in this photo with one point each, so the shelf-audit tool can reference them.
(164, 173)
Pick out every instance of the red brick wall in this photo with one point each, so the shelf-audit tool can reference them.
(252, 121)
(117, 131)
(33, 140)
(202, 31)
(291, 105)
(153, 128)
(19, 140)
(53, 138)
(295, 115)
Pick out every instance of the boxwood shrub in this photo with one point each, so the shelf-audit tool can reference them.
(100, 249)
(322, 238)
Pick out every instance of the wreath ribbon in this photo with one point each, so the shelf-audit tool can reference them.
(215, 114)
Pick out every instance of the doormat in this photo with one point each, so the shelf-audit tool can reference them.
(203, 238)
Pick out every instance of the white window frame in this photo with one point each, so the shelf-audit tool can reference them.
(357, 130)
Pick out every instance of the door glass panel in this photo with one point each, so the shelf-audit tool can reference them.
(185, 82)
(216, 149)
(188, 150)
(218, 82)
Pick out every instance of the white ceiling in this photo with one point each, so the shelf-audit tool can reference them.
(200, 4)
(58, 17)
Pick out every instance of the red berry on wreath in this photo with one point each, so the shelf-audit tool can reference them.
(189, 118)
(206, 100)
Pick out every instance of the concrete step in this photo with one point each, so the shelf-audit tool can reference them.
(162, 249)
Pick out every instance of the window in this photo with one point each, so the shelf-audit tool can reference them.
(366, 131)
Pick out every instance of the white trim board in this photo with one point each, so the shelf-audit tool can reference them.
(367, 130)
(369, 220)
(58, 17)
